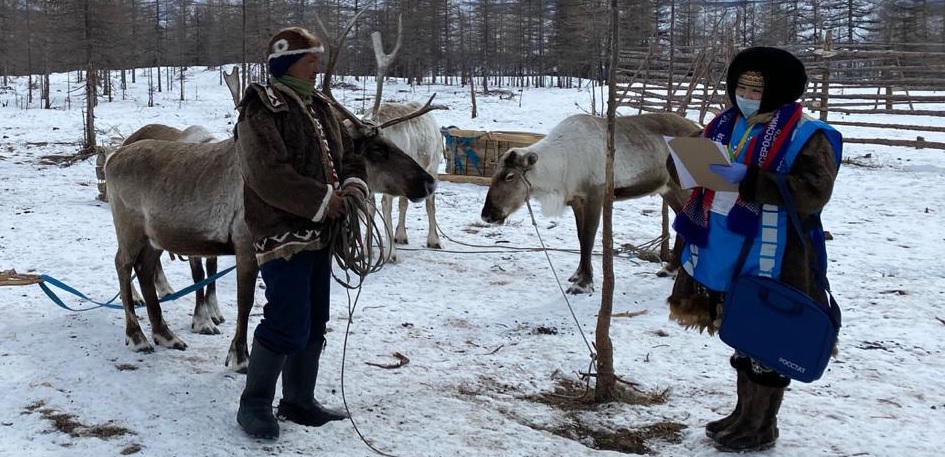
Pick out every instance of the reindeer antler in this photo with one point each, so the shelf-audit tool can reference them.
(420, 112)
(344, 111)
(232, 80)
(383, 61)
(334, 48)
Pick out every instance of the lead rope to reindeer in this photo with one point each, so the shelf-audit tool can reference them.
(590, 348)
(564, 294)
(12, 278)
(641, 251)
(350, 251)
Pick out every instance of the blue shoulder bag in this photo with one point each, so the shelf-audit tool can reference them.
(779, 325)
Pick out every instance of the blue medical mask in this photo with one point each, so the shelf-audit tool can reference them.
(747, 106)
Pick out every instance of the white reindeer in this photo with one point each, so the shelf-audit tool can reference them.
(420, 139)
(566, 168)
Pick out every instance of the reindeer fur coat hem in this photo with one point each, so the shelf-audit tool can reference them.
(811, 183)
(291, 156)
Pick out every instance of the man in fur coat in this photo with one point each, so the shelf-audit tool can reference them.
(767, 135)
(290, 147)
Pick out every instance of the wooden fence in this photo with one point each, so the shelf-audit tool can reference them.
(854, 81)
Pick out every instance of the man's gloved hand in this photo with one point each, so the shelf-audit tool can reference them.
(336, 205)
(733, 173)
(352, 189)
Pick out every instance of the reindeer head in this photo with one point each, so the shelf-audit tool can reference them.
(389, 169)
(509, 188)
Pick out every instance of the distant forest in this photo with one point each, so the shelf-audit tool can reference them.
(443, 39)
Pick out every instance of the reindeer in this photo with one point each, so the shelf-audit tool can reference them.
(207, 313)
(420, 138)
(566, 168)
(187, 198)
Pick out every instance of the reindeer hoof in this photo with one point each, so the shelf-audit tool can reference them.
(141, 345)
(238, 366)
(400, 240)
(576, 289)
(434, 246)
(205, 328)
(666, 273)
(170, 341)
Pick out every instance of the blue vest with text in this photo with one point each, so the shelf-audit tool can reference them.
(713, 265)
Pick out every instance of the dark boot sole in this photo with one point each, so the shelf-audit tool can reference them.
(270, 435)
(724, 424)
(726, 449)
(307, 418)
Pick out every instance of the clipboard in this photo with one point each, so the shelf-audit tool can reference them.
(692, 156)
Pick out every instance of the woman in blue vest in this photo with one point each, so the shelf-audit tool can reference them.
(767, 135)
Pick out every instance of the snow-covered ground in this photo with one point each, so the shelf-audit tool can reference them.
(485, 326)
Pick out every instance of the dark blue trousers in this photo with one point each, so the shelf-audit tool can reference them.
(297, 295)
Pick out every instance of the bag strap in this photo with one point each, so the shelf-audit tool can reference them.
(788, 202)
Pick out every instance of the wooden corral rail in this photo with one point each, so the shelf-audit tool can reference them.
(849, 79)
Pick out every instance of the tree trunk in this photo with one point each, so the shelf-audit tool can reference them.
(472, 96)
(91, 90)
(90, 96)
(606, 379)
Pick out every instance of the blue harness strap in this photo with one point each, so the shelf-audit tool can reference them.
(50, 281)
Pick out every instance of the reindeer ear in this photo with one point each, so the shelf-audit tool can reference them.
(349, 126)
(354, 130)
(510, 158)
(530, 158)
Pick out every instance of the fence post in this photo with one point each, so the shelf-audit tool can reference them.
(825, 82)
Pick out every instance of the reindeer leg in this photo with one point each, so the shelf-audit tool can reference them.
(577, 207)
(387, 203)
(146, 267)
(136, 296)
(246, 273)
(401, 236)
(674, 198)
(433, 238)
(587, 233)
(160, 282)
(134, 337)
(202, 322)
(212, 304)
(369, 227)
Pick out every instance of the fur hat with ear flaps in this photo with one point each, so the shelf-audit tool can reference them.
(289, 45)
(785, 78)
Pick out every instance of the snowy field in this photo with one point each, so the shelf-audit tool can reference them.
(485, 326)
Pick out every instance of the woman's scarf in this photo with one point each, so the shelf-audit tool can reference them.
(765, 151)
(301, 86)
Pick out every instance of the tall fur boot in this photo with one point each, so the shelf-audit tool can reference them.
(757, 427)
(298, 402)
(742, 385)
(255, 411)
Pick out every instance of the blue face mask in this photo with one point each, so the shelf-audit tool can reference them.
(748, 107)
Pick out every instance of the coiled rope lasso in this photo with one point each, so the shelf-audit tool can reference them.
(352, 253)
(350, 248)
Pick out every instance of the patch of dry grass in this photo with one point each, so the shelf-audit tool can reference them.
(68, 423)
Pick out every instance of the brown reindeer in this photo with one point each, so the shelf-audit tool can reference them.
(207, 313)
(187, 198)
(566, 168)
